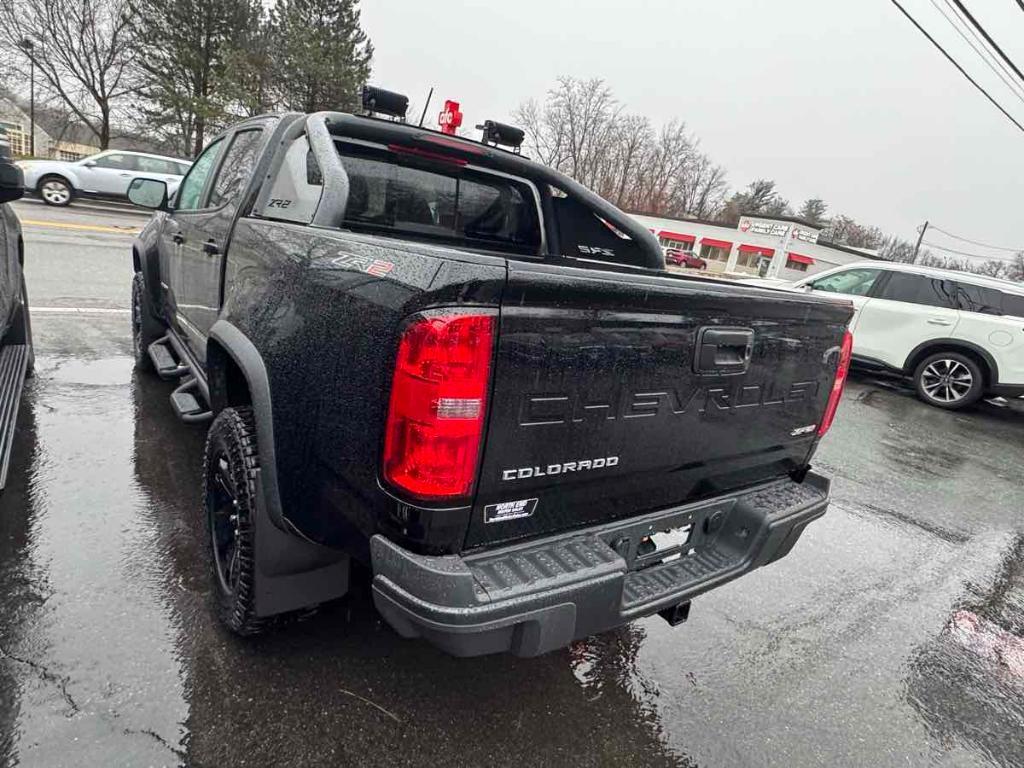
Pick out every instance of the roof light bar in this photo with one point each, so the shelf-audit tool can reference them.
(379, 101)
(499, 133)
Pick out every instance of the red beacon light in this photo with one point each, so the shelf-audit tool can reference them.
(450, 118)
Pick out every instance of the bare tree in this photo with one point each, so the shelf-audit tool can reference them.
(583, 131)
(1016, 271)
(895, 249)
(702, 190)
(81, 50)
(844, 230)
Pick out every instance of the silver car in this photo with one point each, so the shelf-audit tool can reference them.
(105, 175)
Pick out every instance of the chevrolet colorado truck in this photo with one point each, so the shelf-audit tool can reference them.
(16, 354)
(461, 369)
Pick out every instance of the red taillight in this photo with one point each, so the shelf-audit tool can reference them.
(438, 402)
(845, 352)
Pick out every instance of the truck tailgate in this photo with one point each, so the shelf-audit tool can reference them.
(616, 394)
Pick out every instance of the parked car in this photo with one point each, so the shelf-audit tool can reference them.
(956, 335)
(498, 400)
(104, 175)
(16, 354)
(686, 259)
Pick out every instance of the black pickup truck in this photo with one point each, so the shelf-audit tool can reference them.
(463, 370)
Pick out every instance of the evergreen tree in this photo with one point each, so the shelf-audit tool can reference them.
(321, 54)
(814, 211)
(185, 49)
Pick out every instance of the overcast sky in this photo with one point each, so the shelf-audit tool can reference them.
(841, 100)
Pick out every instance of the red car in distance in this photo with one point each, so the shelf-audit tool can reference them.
(685, 259)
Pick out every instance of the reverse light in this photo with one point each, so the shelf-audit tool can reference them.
(437, 406)
(842, 370)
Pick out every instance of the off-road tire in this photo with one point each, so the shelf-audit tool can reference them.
(928, 377)
(232, 452)
(145, 327)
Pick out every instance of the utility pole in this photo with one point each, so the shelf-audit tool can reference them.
(920, 237)
(28, 47)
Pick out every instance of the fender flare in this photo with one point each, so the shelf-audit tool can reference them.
(66, 174)
(967, 346)
(245, 355)
(146, 259)
(291, 571)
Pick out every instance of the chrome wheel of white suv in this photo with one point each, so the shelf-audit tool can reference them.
(55, 191)
(948, 380)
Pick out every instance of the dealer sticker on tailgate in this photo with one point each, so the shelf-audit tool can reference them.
(504, 511)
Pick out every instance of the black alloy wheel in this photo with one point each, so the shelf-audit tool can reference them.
(230, 467)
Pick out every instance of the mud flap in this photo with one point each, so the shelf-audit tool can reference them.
(292, 573)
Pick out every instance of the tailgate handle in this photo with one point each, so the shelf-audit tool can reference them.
(723, 350)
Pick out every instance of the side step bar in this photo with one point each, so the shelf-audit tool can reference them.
(13, 364)
(172, 361)
(164, 360)
(187, 405)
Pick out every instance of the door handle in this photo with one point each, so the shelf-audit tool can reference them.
(125, 175)
(723, 350)
(178, 238)
(210, 247)
(939, 321)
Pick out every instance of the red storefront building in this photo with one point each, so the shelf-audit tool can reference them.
(780, 247)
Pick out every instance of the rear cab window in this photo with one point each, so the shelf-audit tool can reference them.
(408, 195)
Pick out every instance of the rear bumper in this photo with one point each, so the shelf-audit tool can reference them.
(538, 596)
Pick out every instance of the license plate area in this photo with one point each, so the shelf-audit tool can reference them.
(663, 546)
(662, 537)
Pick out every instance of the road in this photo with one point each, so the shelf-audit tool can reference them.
(891, 636)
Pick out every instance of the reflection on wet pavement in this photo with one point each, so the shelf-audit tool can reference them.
(886, 638)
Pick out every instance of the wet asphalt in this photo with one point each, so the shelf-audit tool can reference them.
(890, 636)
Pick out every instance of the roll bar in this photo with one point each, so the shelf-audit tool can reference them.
(331, 209)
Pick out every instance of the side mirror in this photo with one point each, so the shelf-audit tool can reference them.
(12, 182)
(148, 193)
(89, 163)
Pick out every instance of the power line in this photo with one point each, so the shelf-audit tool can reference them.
(1005, 75)
(976, 242)
(952, 61)
(968, 253)
(995, 46)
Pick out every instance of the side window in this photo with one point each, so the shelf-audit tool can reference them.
(181, 168)
(191, 189)
(237, 167)
(584, 234)
(852, 282)
(977, 298)
(155, 165)
(1013, 304)
(919, 289)
(117, 162)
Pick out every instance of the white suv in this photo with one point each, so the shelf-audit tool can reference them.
(958, 336)
(107, 175)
